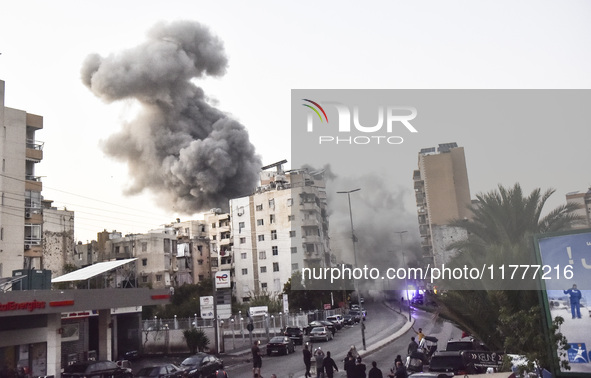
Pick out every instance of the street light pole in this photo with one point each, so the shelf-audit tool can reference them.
(405, 279)
(355, 283)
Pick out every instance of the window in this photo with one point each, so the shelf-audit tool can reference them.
(214, 237)
(275, 250)
(272, 218)
(158, 277)
(126, 249)
(294, 266)
(262, 255)
(117, 249)
(261, 237)
(274, 235)
(260, 222)
(294, 249)
(292, 234)
(201, 277)
(144, 247)
(144, 262)
(144, 279)
(240, 226)
(244, 271)
(272, 203)
(243, 255)
(289, 201)
(263, 269)
(291, 217)
(242, 240)
(259, 207)
(264, 285)
(200, 262)
(276, 267)
(213, 225)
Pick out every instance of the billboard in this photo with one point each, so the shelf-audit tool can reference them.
(569, 295)
(222, 279)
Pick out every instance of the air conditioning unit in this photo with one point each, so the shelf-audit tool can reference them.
(27, 246)
(27, 215)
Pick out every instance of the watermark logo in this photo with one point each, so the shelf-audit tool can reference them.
(389, 119)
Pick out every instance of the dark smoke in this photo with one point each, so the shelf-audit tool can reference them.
(179, 147)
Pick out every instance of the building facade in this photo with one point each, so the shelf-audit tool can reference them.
(21, 219)
(278, 230)
(584, 201)
(442, 194)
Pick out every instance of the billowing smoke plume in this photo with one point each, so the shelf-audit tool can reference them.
(379, 215)
(179, 147)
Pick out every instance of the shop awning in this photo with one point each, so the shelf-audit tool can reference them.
(91, 271)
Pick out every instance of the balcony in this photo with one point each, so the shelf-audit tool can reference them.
(33, 183)
(34, 151)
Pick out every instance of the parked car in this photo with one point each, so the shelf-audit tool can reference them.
(418, 299)
(295, 334)
(451, 362)
(96, 369)
(161, 371)
(321, 323)
(202, 365)
(348, 319)
(320, 333)
(280, 345)
(430, 375)
(356, 314)
(337, 320)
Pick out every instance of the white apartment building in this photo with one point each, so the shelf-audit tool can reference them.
(279, 229)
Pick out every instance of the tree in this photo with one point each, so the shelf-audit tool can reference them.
(501, 231)
(196, 339)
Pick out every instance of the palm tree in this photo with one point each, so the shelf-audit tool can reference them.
(500, 231)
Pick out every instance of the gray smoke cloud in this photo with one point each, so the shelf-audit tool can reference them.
(378, 215)
(192, 155)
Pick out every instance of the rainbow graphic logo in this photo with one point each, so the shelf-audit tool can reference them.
(315, 108)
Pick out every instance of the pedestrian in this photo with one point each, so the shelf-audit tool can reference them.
(257, 360)
(398, 358)
(359, 371)
(319, 355)
(329, 365)
(575, 301)
(412, 346)
(420, 334)
(374, 372)
(350, 365)
(399, 371)
(307, 361)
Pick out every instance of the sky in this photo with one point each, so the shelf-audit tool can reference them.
(271, 48)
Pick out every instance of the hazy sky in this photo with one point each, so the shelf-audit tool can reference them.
(273, 47)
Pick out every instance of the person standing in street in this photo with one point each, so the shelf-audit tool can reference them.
(359, 371)
(374, 372)
(307, 360)
(329, 366)
(257, 360)
(412, 346)
(350, 365)
(575, 301)
(319, 355)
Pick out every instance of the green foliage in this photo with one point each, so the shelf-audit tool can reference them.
(274, 303)
(500, 232)
(308, 294)
(185, 301)
(196, 339)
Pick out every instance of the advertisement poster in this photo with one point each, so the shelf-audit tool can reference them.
(570, 298)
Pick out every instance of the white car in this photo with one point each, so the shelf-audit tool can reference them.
(320, 333)
(336, 319)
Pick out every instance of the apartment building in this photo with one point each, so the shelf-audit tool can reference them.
(584, 200)
(442, 194)
(21, 215)
(278, 230)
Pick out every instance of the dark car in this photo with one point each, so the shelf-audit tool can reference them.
(295, 334)
(202, 365)
(418, 299)
(348, 320)
(356, 314)
(451, 362)
(465, 344)
(161, 371)
(96, 369)
(280, 345)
